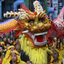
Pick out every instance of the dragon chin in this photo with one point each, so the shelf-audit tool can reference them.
(39, 39)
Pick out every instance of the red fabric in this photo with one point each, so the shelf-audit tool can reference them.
(17, 33)
(13, 53)
(58, 31)
(39, 38)
(62, 35)
(49, 32)
(24, 7)
(50, 40)
(53, 29)
(0, 63)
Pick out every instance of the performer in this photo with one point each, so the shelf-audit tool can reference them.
(57, 58)
(7, 56)
(14, 58)
(1, 53)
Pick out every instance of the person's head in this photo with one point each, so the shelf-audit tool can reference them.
(9, 40)
(5, 39)
(1, 49)
(11, 37)
(55, 54)
(11, 48)
(14, 55)
(48, 57)
(18, 47)
(8, 44)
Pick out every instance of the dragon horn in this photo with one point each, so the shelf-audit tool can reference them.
(30, 13)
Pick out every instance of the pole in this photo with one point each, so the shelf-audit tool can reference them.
(0, 10)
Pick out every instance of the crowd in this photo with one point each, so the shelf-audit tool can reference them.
(10, 43)
(11, 53)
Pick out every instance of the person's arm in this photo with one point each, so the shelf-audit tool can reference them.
(28, 62)
(63, 61)
(24, 57)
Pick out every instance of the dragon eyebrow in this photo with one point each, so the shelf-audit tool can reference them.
(41, 18)
(30, 20)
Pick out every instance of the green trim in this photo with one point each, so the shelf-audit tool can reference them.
(27, 3)
(18, 28)
(45, 1)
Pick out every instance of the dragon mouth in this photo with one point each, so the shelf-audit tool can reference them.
(39, 39)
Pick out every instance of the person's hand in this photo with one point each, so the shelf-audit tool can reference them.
(63, 61)
(28, 62)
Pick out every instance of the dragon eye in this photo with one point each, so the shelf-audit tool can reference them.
(41, 19)
(31, 21)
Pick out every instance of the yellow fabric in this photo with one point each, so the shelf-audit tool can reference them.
(15, 42)
(2, 43)
(7, 60)
(57, 63)
(7, 56)
(62, 53)
(36, 55)
(49, 51)
(4, 50)
(10, 47)
(59, 58)
(15, 52)
(1, 58)
(21, 62)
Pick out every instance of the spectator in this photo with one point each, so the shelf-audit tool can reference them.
(7, 56)
(9, 40)
(1, 53)
(7, 45)
(21, 53)
(5, 40)
(56, 56)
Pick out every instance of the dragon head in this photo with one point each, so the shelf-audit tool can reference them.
(34, 24)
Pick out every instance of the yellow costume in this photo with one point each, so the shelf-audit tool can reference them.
(59, 58)
(18, 58)
(7, 58)
(2, 57)
(15, 42)
(3, 44)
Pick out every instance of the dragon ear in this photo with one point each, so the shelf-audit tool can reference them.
(24, 7)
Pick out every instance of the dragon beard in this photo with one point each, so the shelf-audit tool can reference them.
(37, 55)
